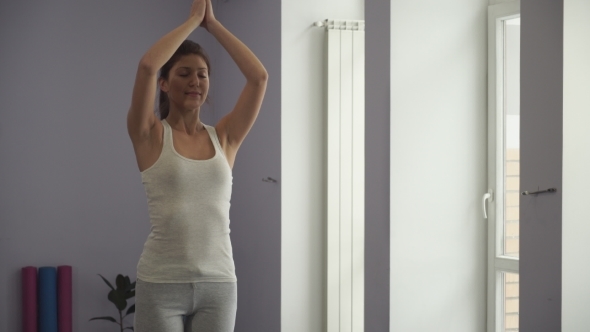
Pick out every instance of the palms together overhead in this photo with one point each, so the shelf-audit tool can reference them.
(209, 16)
(202, 10)
(198, 9)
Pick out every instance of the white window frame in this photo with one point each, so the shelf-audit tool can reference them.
(497, 264)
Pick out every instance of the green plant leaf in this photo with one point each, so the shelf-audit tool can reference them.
(108, 283)
(118, 300)
(130, 310)
(110, 319)
(120, 282)
(129, 295)
(127, 282)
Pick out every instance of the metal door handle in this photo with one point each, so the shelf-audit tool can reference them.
(269, 179)
(550, 190)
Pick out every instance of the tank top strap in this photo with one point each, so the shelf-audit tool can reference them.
(213, 134)
(167, 133)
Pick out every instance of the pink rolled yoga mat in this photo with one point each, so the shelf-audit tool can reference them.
(29, 294)
(64, 298)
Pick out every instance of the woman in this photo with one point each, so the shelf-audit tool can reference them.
(185, 275)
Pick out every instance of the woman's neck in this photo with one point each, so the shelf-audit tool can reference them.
(185, 121)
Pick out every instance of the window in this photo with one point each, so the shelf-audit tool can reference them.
(503, 166)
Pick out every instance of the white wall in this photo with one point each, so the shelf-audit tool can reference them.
(576, 163)
(303, 159)
(438, 165)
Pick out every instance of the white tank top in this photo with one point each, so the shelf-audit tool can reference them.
(188, 203)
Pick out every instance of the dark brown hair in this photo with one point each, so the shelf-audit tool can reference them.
(186, 48)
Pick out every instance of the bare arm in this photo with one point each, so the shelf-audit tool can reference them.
(141, 118)
(236, 125)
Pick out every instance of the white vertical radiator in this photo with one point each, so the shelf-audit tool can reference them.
(345, 175)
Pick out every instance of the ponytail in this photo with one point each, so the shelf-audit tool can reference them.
(164, 106)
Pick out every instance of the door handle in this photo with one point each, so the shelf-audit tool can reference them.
(550, 190)
(269, 179)
(489, 195)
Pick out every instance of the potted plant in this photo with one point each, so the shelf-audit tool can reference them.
(119, 296)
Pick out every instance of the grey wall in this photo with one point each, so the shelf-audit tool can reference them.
(377, 167)
(70, 191)
(541, 164)
(69, 185)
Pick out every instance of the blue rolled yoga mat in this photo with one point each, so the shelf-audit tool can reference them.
(47, 299)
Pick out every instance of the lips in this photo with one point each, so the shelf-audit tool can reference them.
(193, 94)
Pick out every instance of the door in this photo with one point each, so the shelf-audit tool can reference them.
(541, 164)
(534, 200)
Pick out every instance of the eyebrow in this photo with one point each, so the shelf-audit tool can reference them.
(200, 68)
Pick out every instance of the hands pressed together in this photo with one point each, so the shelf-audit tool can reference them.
(202, 10)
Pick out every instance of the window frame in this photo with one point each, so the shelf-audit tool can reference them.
(497, 264)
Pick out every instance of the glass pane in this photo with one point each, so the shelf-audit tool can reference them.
(510, 301)
(511, 137)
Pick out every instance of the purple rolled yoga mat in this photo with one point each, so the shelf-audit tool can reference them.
(64, 298)
(29, 293)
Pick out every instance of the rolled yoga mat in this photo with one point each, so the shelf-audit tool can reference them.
(47, 299)
(64, 298)
(29, 293)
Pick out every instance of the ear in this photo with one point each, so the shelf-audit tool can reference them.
(163, 84)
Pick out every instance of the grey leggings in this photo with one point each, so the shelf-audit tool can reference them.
(188, 307)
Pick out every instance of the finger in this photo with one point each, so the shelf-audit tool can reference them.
(209, 6)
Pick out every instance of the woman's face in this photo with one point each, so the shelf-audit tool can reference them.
(188, 83)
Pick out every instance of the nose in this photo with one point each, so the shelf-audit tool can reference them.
(195, 81)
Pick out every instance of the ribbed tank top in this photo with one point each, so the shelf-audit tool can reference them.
(188, 204)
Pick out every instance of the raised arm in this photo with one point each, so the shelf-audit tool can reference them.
(141, 118)
(236, 125)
